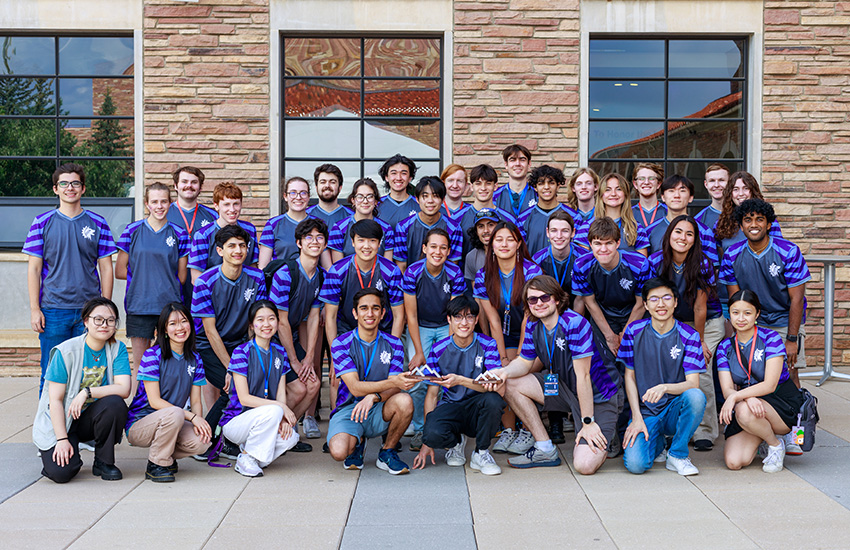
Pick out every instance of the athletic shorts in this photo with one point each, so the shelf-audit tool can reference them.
(373, 426)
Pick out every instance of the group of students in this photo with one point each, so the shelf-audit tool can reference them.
(444, 320)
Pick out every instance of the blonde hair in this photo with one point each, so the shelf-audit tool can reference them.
(572, 200)
(627, 218)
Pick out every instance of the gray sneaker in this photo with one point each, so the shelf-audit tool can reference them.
(311, 428)
(454, 456)
(505, 440)
(534, 458)
(523, 442)
(416, 442)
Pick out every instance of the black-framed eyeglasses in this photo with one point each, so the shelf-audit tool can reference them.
(99, 321)
(76, 184)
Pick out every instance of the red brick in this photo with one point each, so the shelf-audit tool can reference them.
(781, 17)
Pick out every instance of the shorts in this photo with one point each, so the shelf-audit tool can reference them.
(214, 371)
(786, 400)
(373, 426)
(605, 414)
(141, 326)
(801, 344)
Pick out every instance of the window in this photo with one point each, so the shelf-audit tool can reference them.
(355, 102)
(680, 102)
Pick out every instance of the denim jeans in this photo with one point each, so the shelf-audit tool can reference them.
(428, 337)
(680, 419)
(59, 325)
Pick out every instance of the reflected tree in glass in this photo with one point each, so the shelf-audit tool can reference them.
(107, 178)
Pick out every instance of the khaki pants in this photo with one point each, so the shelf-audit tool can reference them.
(168, 434)
(801, 339)
(715, 330)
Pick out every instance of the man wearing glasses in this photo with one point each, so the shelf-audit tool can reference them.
(278, 239)
(69, 263)
(663, 360)
(574, 379)
(647, 180)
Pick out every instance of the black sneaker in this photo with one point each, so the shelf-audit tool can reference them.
(229, 450)
(325, 448)
(301, 447)
(108, 472)
(173, 467)
(703, 445)
(159, 474)
(556, 429)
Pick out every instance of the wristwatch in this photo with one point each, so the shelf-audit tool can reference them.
(588, 420)
(792, 338)
(378, 397)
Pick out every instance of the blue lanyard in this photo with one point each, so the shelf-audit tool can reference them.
(263, 365)
(506, 296)
(367, 366)
(560, 278)
(549, 349)
(521, 198)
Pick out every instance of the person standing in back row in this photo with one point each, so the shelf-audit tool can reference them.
(516, 196)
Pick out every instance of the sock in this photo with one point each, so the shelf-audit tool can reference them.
(545, 446)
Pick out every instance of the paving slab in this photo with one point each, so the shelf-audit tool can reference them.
(19, 466)
(313, 537)
(826, 467)
(15, 386)
(17, 413)
(410, 537)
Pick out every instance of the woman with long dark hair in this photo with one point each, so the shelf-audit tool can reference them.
(170, 374)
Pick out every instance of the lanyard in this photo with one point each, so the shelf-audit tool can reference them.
(643, 215)
(371, 275)
(560, 278)
(185, 221)
(521, 199)
(752, 349)
(506, 296)
(266, 371)
(448, 210)
(366, 366)
(549, 349)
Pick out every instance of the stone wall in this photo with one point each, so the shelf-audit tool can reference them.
(806, 144)
(206, 94)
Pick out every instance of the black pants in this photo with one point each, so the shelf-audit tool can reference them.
(216, 374)
(102, 421)
(477, 416)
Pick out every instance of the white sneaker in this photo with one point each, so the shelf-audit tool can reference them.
(523, 442)
(311, 428)
(568, 425)
(791, 447)
(775, 458)
(681, 466)
(454, 456)
(662, 457)
(87, 446)
(247, 466)
(483, 462)
(505, 440)
(409, 431)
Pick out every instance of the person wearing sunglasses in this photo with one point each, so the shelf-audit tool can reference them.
(663, 359)
(277, 241)
(364, 197)
(69, 263)
(88, 379)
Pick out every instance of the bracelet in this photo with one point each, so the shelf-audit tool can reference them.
(61, 439)
(193, 418)
(88, 392)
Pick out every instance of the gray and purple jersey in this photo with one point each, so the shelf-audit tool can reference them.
(175, 376)
(515, 203)
(264, 370)
(339, 236)
(371, 361)
(153, 258)
(583, 221)
(708, 216)
(393, 213)
(432, 293)
(646, 218)
(506, 281)
(684, 311)
(455, 214)
(330, 218)
(660, 358)
(191, 221)
(447, 357)
(657, 230)
(768, 344)
(279, 235)
(571, 339)
(561, 271)
(615, 291)
(342, 283)
(533, 223)
(770, 274)
(297, 306)
(203, 255)
(410, 236)
(69, 249)
(228, 302)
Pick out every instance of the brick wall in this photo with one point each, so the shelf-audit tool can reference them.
(806, 144)
(516, 79)
(20, 361)
(206, 99)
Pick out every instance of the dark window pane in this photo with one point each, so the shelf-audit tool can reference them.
(625, 99)
(402, 98)
(32, 55)
(320, 138)
(96, 55)
(27, 96)
(98, 138)
(626, 58)
(626, 139)
(413, 139)
(108, 178)
(321, 56)
(321, 98)
(705, 99)
(721, 140)
(88, 96)
(695, 171)
(706, 58)
(402, 57)
(28, 137)
(26, 178)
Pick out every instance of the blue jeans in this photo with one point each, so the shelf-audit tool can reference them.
(59, 325)
(680, 418)
(428, 337)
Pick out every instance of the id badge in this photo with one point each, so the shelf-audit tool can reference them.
(506, 322)
(550, 385)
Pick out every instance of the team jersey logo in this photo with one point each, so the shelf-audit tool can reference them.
(626, 283)
(205, 223)
(277, 363)
(190, 369)
(379, 285)
(88, 232)
(412, 212)
(248, 294)
(316, 292)
(385, 357)
(758, 355)
(170, 241)
(561, 343)
(446, 288)
(479, 361)
(532, 203)
(774, 269)
(675, 352)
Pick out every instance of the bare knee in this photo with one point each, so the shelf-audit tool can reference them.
(340, 446)
(400, 402)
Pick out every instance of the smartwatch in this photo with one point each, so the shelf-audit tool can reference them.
(792, 338)
(587, 420)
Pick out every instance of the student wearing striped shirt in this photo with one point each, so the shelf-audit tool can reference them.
(678, 192)
(582, 190)
(364, 196)
(647, 180)
(614, 201)
(546, 181)
(397, 172)
(454, 178)
(516, 196)
(716, 179)
(277, 241)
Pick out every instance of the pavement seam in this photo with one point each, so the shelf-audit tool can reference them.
(27, 429)
(732, 521)
(587, 498)
(348, 515)
(469, 500)
(224, 515)
(17, 395)
(95, 522)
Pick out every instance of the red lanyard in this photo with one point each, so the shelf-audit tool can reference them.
(652, 219)
(448, 210)
(188, 227)
(752, 349)
(371, 276)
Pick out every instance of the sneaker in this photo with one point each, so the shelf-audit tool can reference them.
(108, 472)
(204, 456)
(662, 456)
(229, 450)
(389, 461)
(454, 456)
(522, 443)
(703, 445)
(247, 466)
(409, 431)
(775, 459)
(416, 442)
(791, 447)
(354, 461)
(762, 450)
(534, 457)
(159, 474)
(87, 446)
(505, 440)
(484, 462)
(325, 448)
(615, 447)
(556, 433)
(311, 428)
(568, 425)
(681, 466)
(301, 447)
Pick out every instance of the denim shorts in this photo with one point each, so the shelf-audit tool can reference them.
(141, 326)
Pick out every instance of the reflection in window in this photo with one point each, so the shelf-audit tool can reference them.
(679, 102)
(84, 105)
(355, 102)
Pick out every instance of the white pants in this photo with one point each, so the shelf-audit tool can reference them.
(256, 432)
